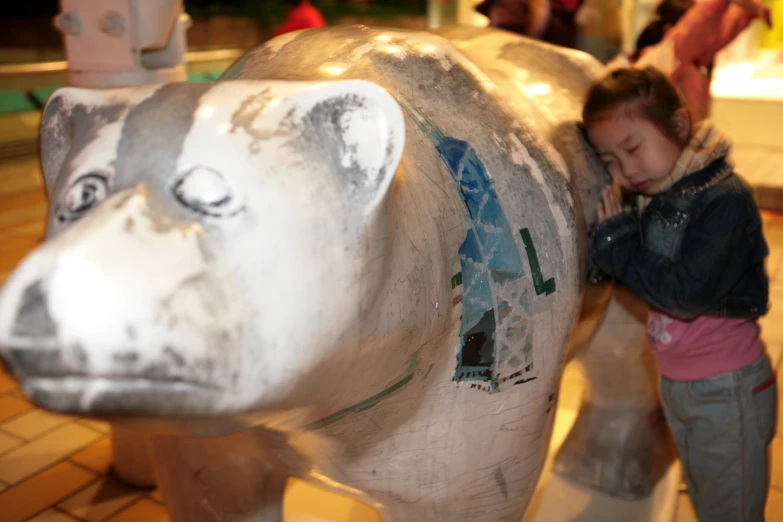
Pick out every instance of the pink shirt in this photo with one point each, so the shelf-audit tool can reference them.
(702, 347)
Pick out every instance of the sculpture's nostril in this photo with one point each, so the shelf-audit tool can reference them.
(33, 320)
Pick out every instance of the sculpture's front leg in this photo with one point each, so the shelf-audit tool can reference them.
(619, 443)
(132, 457)
(209, 479)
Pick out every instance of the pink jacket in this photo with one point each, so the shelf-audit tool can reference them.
(704, 30)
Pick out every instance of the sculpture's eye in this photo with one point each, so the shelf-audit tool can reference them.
(205, 191)
(84, 195)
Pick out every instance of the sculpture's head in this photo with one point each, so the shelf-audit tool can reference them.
(206, 244)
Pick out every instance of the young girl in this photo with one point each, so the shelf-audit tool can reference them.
(695, 253)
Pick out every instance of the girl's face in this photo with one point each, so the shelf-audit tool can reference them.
(636, 153)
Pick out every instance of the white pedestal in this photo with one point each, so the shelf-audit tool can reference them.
(747, 102)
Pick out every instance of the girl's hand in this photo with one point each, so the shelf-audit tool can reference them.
(609, 206)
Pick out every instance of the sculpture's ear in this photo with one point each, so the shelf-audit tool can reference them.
(66, 117)
(357, 129)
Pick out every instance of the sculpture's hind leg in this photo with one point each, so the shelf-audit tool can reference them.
(210, 479)
(619, 443)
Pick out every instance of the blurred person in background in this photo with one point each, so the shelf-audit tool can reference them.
(683, 38)
(552, 21)
(303, 15)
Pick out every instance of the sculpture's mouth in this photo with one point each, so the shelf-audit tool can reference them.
(65, 384)
(120, 396)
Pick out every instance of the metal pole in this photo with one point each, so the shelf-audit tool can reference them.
(433, 13)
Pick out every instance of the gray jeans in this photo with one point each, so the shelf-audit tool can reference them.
(722, 427)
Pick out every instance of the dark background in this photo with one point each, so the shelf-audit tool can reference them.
(27, 33)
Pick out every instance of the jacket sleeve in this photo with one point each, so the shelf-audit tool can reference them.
(693, 33)
(710, 264)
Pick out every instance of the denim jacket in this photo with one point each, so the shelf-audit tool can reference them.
(698, 248)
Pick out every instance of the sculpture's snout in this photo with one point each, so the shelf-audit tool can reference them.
(121, 304)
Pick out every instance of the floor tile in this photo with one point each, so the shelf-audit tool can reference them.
(34, 423)
(685, 512)
(144, 509)
(15, 249)
(52, 515)
(35, 495)
(7, 383)
(103, 427)
(35, 229)
(772, 323)
(8, 442)
(41, 453)
(21, 175)
(96, 457)
(774, 511)
(22, 209)
(11, 406)
(18, 394)
(157, 496)
(776, 461)
(774, 259)
(774, 508)
(100, 500)
(775, 351)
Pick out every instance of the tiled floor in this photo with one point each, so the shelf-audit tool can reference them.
(55, 468)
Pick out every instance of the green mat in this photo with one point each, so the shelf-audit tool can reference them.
(14, 100)
(41, 94)
(204, 76)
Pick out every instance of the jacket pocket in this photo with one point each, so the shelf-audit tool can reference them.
(738, 306)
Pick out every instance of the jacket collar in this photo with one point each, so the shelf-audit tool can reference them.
(702, 179)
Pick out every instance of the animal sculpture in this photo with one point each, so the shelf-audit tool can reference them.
(359, 258)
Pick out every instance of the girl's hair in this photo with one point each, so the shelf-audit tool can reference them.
(646, 93)
(666, 14)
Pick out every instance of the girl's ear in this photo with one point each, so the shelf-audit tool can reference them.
(681, 124)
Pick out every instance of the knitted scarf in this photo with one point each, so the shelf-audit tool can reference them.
(706, 145)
